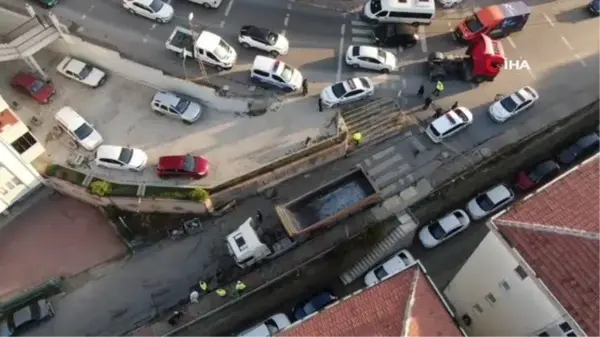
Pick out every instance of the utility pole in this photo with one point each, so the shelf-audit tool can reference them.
(195, 36)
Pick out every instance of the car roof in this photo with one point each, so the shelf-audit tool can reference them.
(74, 65)
(368, 51)
(25, 77)
(208, 40)
(353, 83)
(144, 2)
(255, 31)
(168, 98)
(396, 263)
(321, 300)
(69, 117)
(588, 140)
(523, 94)
(451, 118)
(402, 29)
(449, 222)
(498, 192)
(171, 162)
(108, 151)
(266, 64)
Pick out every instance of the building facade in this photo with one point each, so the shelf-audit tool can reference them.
(18, 149)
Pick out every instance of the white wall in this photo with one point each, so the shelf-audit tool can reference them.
(521, 311)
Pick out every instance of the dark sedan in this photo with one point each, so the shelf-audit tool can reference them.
(539, 175)
(581, 149)
(314, 304)
(396, 35)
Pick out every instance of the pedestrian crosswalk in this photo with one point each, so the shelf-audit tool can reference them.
(362, 33)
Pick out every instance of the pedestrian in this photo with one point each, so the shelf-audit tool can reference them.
(438, 113)
(304, 87)
(259, 216)
(320, 102)
(194, 296)
(240, 287)
(421, 91)
(357, 138)
(203, 286)
(175, 318)
(454, 106)
(307, 141)
(439, 87)
(221, 292)
(428, 102)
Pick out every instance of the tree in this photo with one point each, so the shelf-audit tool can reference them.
(100, 188)
(199, 194)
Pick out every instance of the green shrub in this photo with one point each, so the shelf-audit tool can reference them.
(199, 194)
(100, 188)
(51, 170)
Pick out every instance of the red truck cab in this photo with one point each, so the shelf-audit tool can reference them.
(488, 58)
(496, 21)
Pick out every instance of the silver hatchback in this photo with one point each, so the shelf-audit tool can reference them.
(176, 106)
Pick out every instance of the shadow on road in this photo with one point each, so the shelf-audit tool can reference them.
(575, 15)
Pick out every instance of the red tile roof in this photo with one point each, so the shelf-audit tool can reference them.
(557, 233)
(382, 310)
(7, 118)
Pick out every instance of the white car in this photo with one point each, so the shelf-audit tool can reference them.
(509, 106)
(175, 106)
(450, 123)
(372, 58)
(449, 3)
(81, 72)
(119, 157)
(352, 90)
(269, 327)
(263, 39)
(152, 9)
(391, 267)
(490, 201)
(444, 228)
(208, 3)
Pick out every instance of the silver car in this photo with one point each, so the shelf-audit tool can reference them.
(176, 106)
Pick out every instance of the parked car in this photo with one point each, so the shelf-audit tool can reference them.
(510, 106)
(444, 228)
(80, 130)
(539, 175)
(47, 3)
(269, 327)
(152, 9)
(186, 166)
(208, 4)
(490, 201)
(397, 263)
(582, 148)
(263, 39)
(119, 157)
(352, 90)
(17, 322)
(81, 72)
(594, 7)
(396, 35)
(36, 88)
(314, 304)
(176, 106)
(449, 3)
(450, 123)
(372, 58)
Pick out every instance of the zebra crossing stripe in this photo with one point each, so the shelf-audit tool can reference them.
(359, 39)
(360, 31)
(359, 23)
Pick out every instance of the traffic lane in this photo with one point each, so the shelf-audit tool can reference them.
(243, 13)
(582, 37)
(202, 16)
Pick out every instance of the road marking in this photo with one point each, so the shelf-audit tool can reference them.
(222, 24)
(566, 42)
(168, 2)
(145, 39)
(399, 50)
(229, 5)
(530, 72)
(153, 26)
(361, 31)
(283, 32)
(289, 6)
(359, 39)
(359, 23)
(340, 54)
(86, 13)
(286, 21)
(548, 19)
(83, 16)
(403, 83)
(580, 60)
(423, 39)
(512, 43)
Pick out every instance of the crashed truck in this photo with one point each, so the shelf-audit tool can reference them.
(302, 217)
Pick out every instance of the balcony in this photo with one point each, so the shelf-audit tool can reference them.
(27, 39)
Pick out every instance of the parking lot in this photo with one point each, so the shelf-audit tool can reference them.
(120, 111)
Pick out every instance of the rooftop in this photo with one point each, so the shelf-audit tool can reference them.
(403, 305)
(556, 231)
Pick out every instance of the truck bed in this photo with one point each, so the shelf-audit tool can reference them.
(181, 38)
(328, 204)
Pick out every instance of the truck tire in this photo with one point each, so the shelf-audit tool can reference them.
(478, 79)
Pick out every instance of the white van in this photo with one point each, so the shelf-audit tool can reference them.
(416, 12)
(276, 73)
(212, 49)
(78, 128)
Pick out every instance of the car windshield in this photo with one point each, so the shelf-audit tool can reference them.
(272, 38)
(508, 104)
(474, 24)
(36, 86)
(287, 73)
(380, 273)
(541, 171)
(125, 155)
(437, 231)
(271, 326)
(375, 6)
(83, 131)
(461, 114)
(85, 72)
(484, 202)
(156, 5)
(434, 130)
(182, 105)
(222, 50)
(189, 164)
(338, 90)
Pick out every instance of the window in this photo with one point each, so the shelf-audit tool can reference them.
(425, 16)
(477, 309)
(240, 242)
(261, 73)
(521, 272)
(566, 328)
(278, 79)
(544, 334)
(24, 142)
(490, 298)
(210, 55)
(10, 185)
(353, 93)
(504, 285)
(382, 14)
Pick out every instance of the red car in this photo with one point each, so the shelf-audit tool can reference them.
(186, 166)
(539, 175)
(38, 89)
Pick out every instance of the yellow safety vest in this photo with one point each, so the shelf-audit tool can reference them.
(221, 292)
(357, 136)
(203, 285)
(240, 286)
(439, 86)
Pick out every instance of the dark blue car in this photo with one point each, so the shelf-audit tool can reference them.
(582, 148)
(594, 7)
(313, 304)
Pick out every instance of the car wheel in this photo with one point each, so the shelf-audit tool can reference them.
(415, 24)
(187, 123)
(334, 105)
(131, 11)
(355, 66)
(207, 5)
(219, 68)
(385, 70)
(245, 45)
(159, 20)
(274, 53)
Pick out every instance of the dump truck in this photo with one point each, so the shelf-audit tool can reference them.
(482, 61)
(204, 46)
(495, 21)
(301, 217)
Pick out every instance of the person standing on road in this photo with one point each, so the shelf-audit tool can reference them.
(439, 87)
(221, 292)
(194, 296)
(320, 102)
(421, 91)
(438, 113)
(203, 286)
(259, 216)
(428, 102)
(304, 87)
(240, 287)
(357, 138)
(454, 106)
